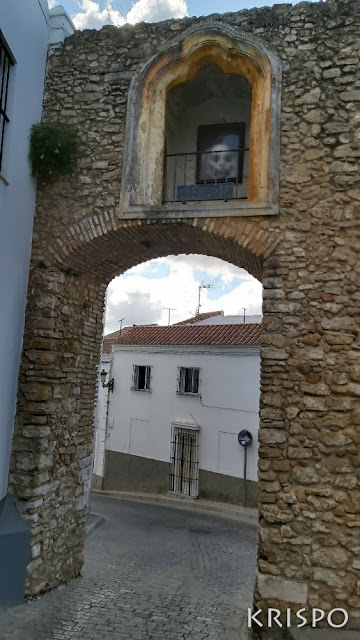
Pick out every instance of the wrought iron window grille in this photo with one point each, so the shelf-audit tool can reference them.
(141, 378)
(184, 182)
(7, 60)
(184, 461)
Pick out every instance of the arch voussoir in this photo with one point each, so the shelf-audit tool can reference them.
(92, 243)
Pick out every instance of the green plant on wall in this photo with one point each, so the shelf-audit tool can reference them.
(53, 150)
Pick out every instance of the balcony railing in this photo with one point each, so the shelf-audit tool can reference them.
(219, 174)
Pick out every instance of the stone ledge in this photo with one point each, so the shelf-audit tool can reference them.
(200, 209)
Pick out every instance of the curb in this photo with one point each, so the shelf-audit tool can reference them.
(94, 521)
(233, 512)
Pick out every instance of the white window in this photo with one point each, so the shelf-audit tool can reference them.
(188, 380)
(141, 380)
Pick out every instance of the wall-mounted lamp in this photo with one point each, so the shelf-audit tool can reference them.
(110, 384)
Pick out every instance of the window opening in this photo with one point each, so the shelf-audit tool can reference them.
(141, 378)
(188, 380)
(6, 61)
(208, 158)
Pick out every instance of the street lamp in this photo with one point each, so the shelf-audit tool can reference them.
(110, 384)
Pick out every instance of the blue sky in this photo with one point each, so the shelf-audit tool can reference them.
(94, 14)
(195, 7)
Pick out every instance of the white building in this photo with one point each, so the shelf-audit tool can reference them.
(26, 30)
(218, 317)
(181, 396)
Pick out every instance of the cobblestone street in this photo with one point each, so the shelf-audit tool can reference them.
(151, 573)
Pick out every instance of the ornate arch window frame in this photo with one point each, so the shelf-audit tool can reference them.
(143, 166)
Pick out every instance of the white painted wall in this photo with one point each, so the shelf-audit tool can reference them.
(26, 30)
(101, 417)
(139, 422)
(60, 25)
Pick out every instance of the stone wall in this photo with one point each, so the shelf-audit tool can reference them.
(306, 257)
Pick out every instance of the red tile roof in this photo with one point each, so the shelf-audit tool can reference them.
(207, 334)
(110, 339)
(200, 316)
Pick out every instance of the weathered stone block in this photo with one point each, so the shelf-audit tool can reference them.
(276, 588)
(331, 557)
(305, 475)
(272, 436)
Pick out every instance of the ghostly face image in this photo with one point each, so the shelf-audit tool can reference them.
(221, 163)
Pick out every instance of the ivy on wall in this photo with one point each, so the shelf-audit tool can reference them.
(53, 150)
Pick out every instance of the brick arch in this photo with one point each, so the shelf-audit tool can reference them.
(52, 448)
(106, 247)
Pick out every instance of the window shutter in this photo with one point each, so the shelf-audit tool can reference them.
(135, 380)
(181, 380)
(148, 377)
(196, 381)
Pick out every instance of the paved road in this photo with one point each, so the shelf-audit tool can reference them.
(151, 573)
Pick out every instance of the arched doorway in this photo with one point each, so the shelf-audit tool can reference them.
(193, 365)
(51, 467)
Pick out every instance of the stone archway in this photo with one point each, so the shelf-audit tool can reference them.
(307, 255)
(52, 463)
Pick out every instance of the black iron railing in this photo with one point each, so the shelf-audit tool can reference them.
(6, 61)
(219, 174)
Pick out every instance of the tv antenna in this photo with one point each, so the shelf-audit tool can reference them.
(169, 309)
(120, 325)
(201, 287)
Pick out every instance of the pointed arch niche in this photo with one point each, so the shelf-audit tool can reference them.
(232, 54)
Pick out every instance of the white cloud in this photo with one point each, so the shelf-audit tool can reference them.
(156, 10)
(141, 298)
(134, 308)
(52, 3)
(91, 16)
(212, 266)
